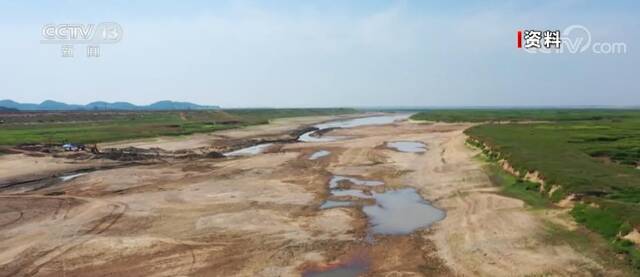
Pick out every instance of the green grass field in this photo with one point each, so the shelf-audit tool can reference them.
(93, 127)
(488, 115)
(593, 154)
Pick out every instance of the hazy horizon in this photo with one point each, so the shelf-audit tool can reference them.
(371, 107)
(321, 54)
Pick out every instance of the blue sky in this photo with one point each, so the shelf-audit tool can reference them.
(321, 53)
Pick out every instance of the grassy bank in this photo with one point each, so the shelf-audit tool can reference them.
(514, 187)
(608, 222)
(489, 115)
(93, 127)
(590, 154)
(581, 239)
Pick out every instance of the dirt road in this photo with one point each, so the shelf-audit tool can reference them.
(260, 216)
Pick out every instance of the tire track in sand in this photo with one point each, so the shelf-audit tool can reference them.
(33, 265)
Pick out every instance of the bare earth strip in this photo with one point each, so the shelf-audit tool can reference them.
(259, 216)
(24, 167)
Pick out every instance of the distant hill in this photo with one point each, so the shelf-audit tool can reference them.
(4, 109)
(100, 105)
(50, 105)
(170, 105)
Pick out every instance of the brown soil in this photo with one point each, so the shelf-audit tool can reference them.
(258, 216)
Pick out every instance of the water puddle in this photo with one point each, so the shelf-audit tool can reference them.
(408, 146)
(334, 204)
(336, 179)
(249, 151)
(334, 182)
(395, 212)
(400, 212)
(352, 268)
(313, 136)
(71, 177)
(319, 154)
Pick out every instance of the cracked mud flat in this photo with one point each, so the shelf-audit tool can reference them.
(260, 215)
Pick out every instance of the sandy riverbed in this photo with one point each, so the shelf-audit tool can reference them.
(259, 216)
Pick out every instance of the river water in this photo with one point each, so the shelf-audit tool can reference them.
(312, 136)
(249, 151)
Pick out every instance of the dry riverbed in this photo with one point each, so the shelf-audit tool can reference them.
(260, 215)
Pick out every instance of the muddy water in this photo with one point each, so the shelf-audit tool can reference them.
(400, 212)
(336, 179)
(408, 146)
(71, 177)
(312, 137)
(354, 266)
(335, 191)
(23, 187)
(334, 204)
(351, 123)
(351, 192)
(249, 151)
(348, 270)
(396, 212)
(319, 154)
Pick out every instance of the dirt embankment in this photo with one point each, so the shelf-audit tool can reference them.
(563, 206)
(260, 216)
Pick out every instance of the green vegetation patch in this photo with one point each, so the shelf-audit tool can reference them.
(513, 187)
(94, 127)
(599, 220)
(561, 160)
(488, 115)
(607, 223)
